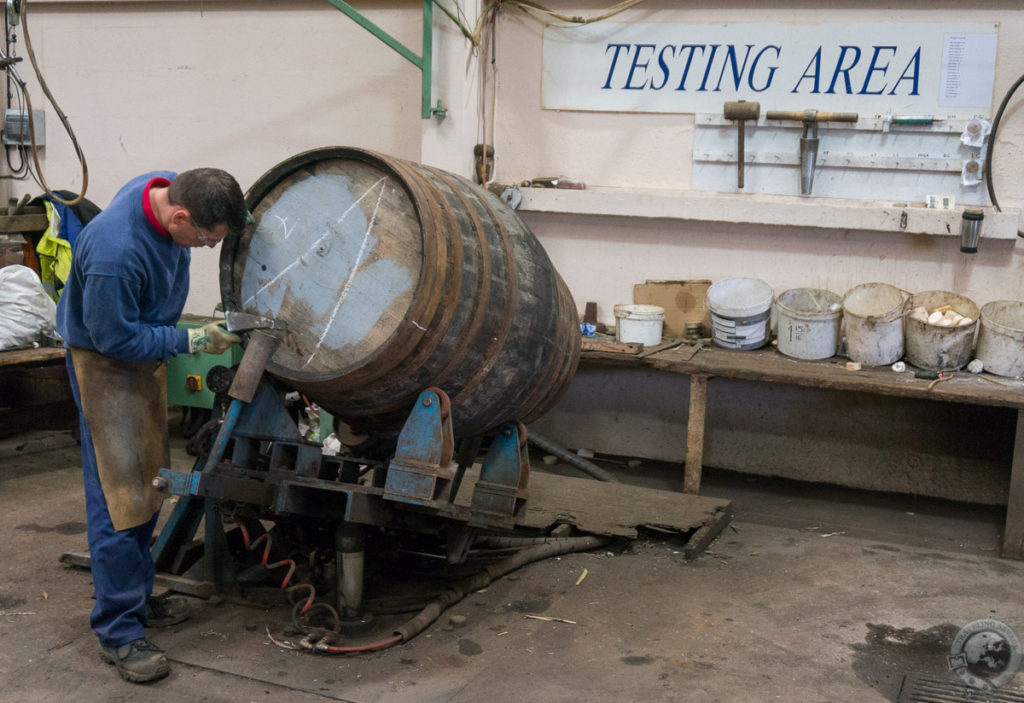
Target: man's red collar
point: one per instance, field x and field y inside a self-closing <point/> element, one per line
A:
<point x="147" y="206"/>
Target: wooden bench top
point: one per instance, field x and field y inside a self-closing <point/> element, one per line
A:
<point x="38" y="355"/>
<point x="769" y="365"/>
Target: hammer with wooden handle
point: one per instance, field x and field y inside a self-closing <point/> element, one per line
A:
<point x="741" y="111"/>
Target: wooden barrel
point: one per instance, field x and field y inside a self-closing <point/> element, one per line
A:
<point x="394" y="277"/>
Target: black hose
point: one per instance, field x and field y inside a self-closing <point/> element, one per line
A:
<point x="587" y="467"/>
<point x="502" y="542"/>
<point x="992" y="143"/>
<point x="487" y="574"/>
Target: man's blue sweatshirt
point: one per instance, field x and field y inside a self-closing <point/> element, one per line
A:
<point x="128" y="283"/>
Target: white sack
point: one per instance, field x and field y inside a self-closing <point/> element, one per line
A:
<point x="25" y="308"/>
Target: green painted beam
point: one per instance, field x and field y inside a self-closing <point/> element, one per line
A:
<point x="423" y="63"/>
<point x="376" y="31"/>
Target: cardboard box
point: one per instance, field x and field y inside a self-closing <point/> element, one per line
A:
<point x="684" y="301"/>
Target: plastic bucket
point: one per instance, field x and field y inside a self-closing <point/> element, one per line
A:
<point x="934" y="348"/>
<point x="639" y="323"/>
<point x="1001" y="338"/>
<point x="741" y="310"/>
<point x="808" y="323"/>
<point x="873" y="313"/>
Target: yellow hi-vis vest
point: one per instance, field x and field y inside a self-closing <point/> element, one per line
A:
<point x="54" y="255"/>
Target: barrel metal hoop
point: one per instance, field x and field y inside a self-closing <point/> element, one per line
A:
<point x="483" y="294"/>
<point x="504" y="330"/>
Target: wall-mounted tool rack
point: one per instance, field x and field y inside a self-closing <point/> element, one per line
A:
<point x="871" y="159"/>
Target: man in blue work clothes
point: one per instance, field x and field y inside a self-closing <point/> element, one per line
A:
<point x="117" y="314"/>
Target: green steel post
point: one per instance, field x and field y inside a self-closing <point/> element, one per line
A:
<point x="428" y="55"/>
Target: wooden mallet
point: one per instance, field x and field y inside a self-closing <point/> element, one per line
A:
<point x="741" y="111"/>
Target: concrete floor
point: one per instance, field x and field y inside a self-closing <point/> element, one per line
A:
<point x="814" y="594"/>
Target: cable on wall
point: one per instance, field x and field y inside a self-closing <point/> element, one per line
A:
<point x="40" y="178"/>
<point x="474" y="36"/>
<point x="992" y="143"/>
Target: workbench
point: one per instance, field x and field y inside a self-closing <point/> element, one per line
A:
<point x="768" y="365"/>
<point x="38" y="355"/>
<point x="34" y="390"/>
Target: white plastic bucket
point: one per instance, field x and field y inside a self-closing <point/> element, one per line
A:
<point x="935" y="348"/>
<point x="873" y="313"/>
<point x="639" y="324"/>
<point x="741" y="311"/>
<point x="1001" y="338"/>
<point x="808" y="323"/>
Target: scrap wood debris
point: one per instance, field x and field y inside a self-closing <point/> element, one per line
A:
<point x="716" y="556"/>
<point x="545" y="618"/>
<point x="996" y="381"/>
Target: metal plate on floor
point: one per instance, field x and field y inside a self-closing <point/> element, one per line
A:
<point x="924" y="689"/>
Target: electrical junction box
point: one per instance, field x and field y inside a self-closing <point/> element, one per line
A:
<point x="15" y="132"/>
<point x="182" y="370"/>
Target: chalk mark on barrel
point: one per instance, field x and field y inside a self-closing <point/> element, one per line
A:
<point x="355" y="269"/>
<point x="284" y="226"/>
<point x="314" y="245"/>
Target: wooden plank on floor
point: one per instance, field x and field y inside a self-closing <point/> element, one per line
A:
<point x="617" y="509"/>
<point x="179" y="584"/>
<point x="702" y="538"/>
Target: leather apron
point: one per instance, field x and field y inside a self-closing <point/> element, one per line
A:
<point x="125" y="406"/>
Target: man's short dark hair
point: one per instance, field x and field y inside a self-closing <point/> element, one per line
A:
<point x="211" y="196"/>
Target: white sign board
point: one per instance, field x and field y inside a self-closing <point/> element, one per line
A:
<point x="940" y="69"/>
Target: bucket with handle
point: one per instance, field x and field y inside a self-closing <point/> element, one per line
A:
<point x="943" y="339"/>
<point x="1001" y="337"/>
<point x="808" y="321"/>
<point x="874" y="314"/>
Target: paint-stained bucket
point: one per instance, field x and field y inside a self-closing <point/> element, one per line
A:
<point x="874" y="313"/>
<point x="1001" y="338"/>
<point x="940" y="348"/>
<point x="639" y="323"/>
<point x="808" y="321"/>
<point x="741" y="310"/>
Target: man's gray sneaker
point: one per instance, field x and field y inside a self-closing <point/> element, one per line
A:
<point x="139" y="661"/>
<point x="164" y="611"/>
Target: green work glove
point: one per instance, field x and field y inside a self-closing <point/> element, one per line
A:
<point x="211" y="338"/>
